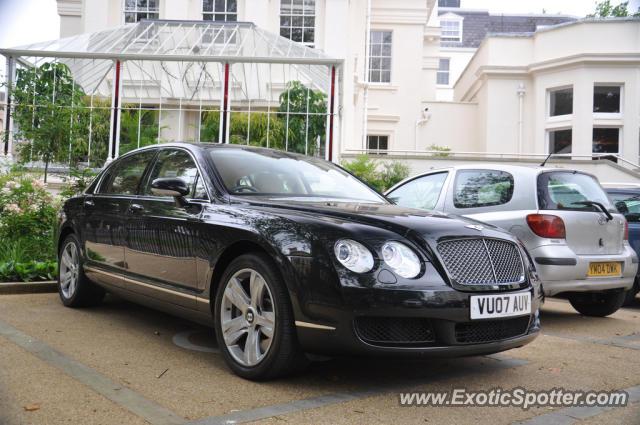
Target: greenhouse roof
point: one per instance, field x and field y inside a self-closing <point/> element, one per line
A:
<point x="168" y="40"/>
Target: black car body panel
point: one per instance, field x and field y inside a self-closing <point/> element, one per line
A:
<point x="167" y="256"/>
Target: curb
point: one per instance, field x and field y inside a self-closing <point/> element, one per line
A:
<point x="47" y="286"/>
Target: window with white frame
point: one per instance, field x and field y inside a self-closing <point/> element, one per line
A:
<point x="380" y="57"/>
<point x="298" y="20"/>
<point x="606" y="99"/>
<point x="220" y="10"/>
<point x="377" y="144"/>
<point x="442" y="77"/>
<point x="561" y="102"/>
<point x="606" y="140"/>
<point x="451" y="29"/>
<point x="560" y="141"/>
<point x="136" y="10"/>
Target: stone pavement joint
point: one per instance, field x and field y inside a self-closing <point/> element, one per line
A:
<point x="130" y="400"/>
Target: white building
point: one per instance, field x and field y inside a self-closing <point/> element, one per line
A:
<point x="464" y="29"/>
<point x="568" y="89"/>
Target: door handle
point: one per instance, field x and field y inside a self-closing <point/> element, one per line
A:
<point x="89" y="203"/>
<point x="136" y="208"/>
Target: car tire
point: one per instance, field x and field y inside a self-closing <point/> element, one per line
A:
<point x="598" y="304"/>
<point x="254" y="320"/>
<point x="75" y="289"/>
<point x="630" y="295"/>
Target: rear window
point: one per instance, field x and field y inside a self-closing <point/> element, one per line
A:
<point x="566" y="190"/>
<point x="482" y="188"/>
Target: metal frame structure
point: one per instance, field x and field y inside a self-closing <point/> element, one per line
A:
<point x="176" y="71"/>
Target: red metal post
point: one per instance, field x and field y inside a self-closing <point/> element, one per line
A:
<point x="225" y="105"/>
<point x="7" y="115"/>
<point x="331" y="103"/>
<point x="116" y="115"/>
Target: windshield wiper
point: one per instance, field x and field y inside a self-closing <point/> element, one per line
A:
<point x="599" y="205"/>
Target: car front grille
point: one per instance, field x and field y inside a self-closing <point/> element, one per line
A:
<point x="394" y="330"/>
<point x="482" y="261"/>
<point x="490" y="330"/>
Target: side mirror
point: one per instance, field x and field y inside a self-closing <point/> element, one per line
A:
<point x="170" y="186"/>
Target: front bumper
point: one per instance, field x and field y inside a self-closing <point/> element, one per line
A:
<point x="444" y="310"/>
<point x="561" y="270"/>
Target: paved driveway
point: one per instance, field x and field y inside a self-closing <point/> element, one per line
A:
<point x="124" y="364"/>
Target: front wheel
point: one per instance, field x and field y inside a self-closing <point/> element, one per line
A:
<point x="75" y="289"/>
<point x="254" y="321"/>
<point x="598" y="304"/>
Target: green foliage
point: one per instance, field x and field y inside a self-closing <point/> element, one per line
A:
<point x="441" y="150"/>
<point x="27" y="272"/>
<point x="77" y="181"/>
<point x="132" y="119"/>
<point x="306" y="110"/>
<point x="47" y="114"/>
<point x="27" y="218"/>
<point x="367" y="169"/>
<point x="605" y="9"/>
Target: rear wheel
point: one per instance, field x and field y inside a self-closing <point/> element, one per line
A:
<point x="599" y="304"/>
<point x="254" y="321"/>
<point x="75" y="289"/>
<point x="630" y="295"/>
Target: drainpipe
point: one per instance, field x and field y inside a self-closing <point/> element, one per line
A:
<point x="425" y="117"/>
<point x="521" y="91"/>
<point x="367" y="42"/>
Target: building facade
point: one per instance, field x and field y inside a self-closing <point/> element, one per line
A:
<point x="401" y="63"/>
<point x="464" y="29"/>
<point x="571" y="89"/>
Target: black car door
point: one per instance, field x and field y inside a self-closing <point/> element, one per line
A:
<point x="162" y="241"/>
<point x="105" y="217"/>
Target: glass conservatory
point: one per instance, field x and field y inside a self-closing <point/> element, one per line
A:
<point x="96" y="96"/>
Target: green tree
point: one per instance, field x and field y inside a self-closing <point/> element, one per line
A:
<point x="307" y="119"/>
<point x="47" y="114"/>
<point x="605" y="9"/>
<point x="132" y="120"/>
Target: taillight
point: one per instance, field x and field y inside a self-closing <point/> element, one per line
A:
<point x="547" y="226"/>
<point x="626" y="230"/>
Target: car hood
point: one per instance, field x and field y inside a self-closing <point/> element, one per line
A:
<point x="429" y="225"/>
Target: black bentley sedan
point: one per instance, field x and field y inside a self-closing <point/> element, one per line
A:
<point x="286" y="254"/>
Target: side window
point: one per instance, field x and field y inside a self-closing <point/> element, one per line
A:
<point x="482" y="188"/>
<point x="421" y="193"/>
<point x="125" y="176"/>
<point x="178" y="163"/>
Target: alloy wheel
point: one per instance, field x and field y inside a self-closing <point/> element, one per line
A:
<point x="69" y="270"/>
<point x="247" y="317"/>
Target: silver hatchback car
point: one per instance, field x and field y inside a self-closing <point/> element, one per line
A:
<point x="578" y="239"/>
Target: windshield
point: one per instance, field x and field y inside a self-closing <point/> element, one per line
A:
<point x="252" y="172"/>
<point x="567" y="190"/>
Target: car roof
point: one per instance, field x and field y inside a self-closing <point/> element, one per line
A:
<point x="530" y="170"/>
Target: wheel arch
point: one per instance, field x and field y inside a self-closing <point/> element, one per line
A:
<point x="237" y="249"/>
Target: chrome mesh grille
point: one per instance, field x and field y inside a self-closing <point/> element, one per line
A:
<point x="481" y="261"/>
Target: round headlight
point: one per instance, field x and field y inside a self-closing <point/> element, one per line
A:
<point x="402" y="260"/>
<point x="353" y="255"/>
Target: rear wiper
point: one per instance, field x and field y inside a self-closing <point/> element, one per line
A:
<point x="599" y="205"/>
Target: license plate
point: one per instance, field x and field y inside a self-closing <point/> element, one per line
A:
<point x="500" y="305"/>
<point x="604" y="269"/>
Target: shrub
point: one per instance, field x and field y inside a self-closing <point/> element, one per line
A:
<point x="27" y="218"/>
<point x="367" y="169"/>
